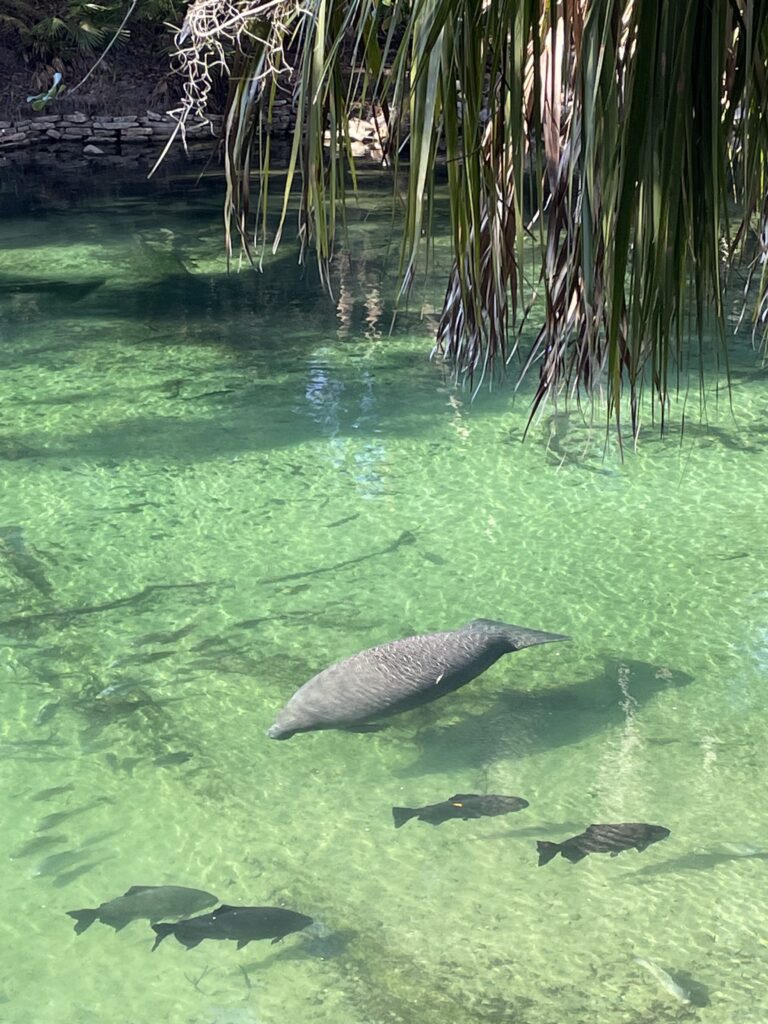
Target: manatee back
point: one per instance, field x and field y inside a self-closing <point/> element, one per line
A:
<point x="390" y="678"/>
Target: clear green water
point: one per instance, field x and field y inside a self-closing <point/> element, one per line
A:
<point x="235" y="458"/>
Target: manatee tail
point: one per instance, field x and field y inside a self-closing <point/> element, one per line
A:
<point x="403" y="814"/>
<point x="83" y="919"/>
<point x="547" y="851"/>
<point x="162" y="931"/>
<point x="518" y="637"/>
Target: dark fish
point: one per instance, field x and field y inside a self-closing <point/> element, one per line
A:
<point x="397" y="676"/>
<point x="144" y="901"/>
<point x="127" y="764"/>
<point x="163" y="638"/>
<point x="57" y="289"/>
<point x="142" y="658"/>
<point x="52" y="820"/>
<point x="461" y="805"/>
<point x="91" y="609"/>
<point x="406" y="537"/>
<point x="58" y="862"/>
<point x="173" y="757"/>
<point x="124" y="685"/>
<point x="241" y="923"/>
<point x="48" y="794"/>
<point x="21" y="560"/>
<point x="37" y="844"/>
<point x="60" y="881"/>
<point x="342" y="521"/>
<point x="47" y="711"/>
<point x="613" y="839"/>
<point x="433" y="558"/>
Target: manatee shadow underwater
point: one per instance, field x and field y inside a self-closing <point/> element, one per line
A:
<point x="521" y="723"/>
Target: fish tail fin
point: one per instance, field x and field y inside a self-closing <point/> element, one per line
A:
<point x="403" y="814"/>
<point x="162" y="931"/>
<point x="547" y="851"/>
<point x="83" y="919"/>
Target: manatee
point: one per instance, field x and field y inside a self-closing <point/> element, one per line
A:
<point x="400" y="675"/>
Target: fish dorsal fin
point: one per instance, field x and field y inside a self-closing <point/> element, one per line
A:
<point x="462" y="797"/>
<point x="136" y="889"/>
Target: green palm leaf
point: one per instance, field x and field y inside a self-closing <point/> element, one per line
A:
<point x="624" y="135"/>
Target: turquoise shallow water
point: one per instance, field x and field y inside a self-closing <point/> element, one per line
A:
<point x="212" y="487"/>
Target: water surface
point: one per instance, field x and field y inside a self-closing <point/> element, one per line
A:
<point x="212" y="487"/>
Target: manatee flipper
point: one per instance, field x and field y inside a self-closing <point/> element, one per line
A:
<point x="244" y="942"/>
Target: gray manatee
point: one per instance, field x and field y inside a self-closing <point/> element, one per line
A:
<point x="400" y="675"/>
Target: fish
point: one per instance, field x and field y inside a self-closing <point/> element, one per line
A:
<point x="36" y="844"/>
<point x="124" y="685"/>
<point x="460" y="805"/>
<point x="144" y="901"/>
<point x="164" y="637"/>
<point x="60" y="881"/>
<point x="156" y="258"/>
<point x="48" y="794"/>
<point x="343" y="520"/>
<point x="51" y="289"/>
<point x="173" y="757"/>
<point x="406" y="537"/>
<point x="21" y="560"/>
<point x="141" y="658"/>
<point x="58" y="862"/>
<point x="400" y="675"/>
<point x="52" y="820"/>
<point x="665" y="979"/>
<point x="613" y="839"/>
<point x="245" y="924"/>
<point x="21" y="621"/>
<point x="47" y="711"/>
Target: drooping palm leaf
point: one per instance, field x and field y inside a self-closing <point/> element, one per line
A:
<point x="626" y="133"/>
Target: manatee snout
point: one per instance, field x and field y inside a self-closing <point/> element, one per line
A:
<point x="276" y="733"/>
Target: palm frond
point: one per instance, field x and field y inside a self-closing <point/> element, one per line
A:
<point x="624" y="134"/>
